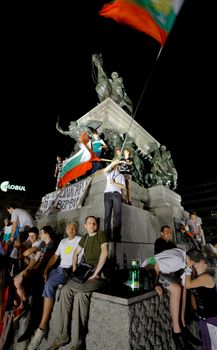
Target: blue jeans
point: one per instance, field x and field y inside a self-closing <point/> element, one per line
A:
<point x="112" y="203"/>
<point x="56" y="276"/>
<point x="96" y="165"/>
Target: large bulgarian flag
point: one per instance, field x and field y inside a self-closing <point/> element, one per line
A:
<point x="78" y="164"/>
<point x="153" y="17"/>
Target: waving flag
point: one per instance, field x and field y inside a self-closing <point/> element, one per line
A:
<point x="79" y="163"/>
<point x="153" y="17"/>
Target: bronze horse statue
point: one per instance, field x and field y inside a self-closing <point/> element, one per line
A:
<point x="103" y="85"/>
<point x="106" y="87"/>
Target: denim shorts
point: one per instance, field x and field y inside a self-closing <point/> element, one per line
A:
<point x="166" y="279"/>
<point x="56" y="276"/>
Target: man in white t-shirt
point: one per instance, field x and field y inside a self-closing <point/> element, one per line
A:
<point x="54" y="277"/>
<point x="21" y="220"/>
<point x="112" y="199"/>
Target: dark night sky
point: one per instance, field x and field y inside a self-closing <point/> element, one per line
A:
<point x="46" y="72"/>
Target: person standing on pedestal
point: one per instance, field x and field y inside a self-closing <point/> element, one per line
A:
<point x="97" y="145"/>
<point x="126" y="169"/>
<point x="58" y="169"/>
<point x="112" y="199"/>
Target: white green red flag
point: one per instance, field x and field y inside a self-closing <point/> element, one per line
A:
<point x="78" y="164"/>
<point x="153" y="17"/>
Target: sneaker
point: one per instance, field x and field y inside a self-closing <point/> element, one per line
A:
<point x="58" y="342"/>
<point x="190" y="337"/>
<point x="37" y="339"/>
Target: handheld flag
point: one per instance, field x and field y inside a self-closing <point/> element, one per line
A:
<point x="153" y="17"/>
<point x="78" y="164"/>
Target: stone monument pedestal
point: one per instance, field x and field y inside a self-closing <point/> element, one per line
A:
<point x="141" y="222"/>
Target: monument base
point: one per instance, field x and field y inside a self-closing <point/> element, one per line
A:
<point x="141" y="222"/>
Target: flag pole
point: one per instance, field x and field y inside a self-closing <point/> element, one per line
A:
<point x="105" y="160"/>
<point x="141" y="96"/>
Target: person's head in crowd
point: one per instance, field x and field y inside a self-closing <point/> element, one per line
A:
<point x="47" y="233"/>
<point x="117" y="152"/>
<point x="95" y="135"/>
<point x="33" y="234"/>
<point x="195" y="256"/>
<point x="166" y="233"/>
<point x="10" y="207"/>
<point x="127" y="153"/>
<point x="71" y="229"/>
<point x="91" y="224"/>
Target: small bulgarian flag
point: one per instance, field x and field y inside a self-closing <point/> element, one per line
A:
<point x="153" y="17"/>
<point x="78" y="164"/>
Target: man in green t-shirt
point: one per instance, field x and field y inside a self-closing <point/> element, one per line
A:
<point x="95" y="245"/>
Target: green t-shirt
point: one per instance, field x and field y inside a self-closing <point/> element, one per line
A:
<point x="93" y="244"/>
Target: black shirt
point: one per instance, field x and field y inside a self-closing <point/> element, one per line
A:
<point x="160" y="245"/>
<point x="126" y="167"/>
<point x="206" y="300"/>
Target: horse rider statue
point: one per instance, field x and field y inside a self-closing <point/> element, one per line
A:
<point x="113" y="88"/>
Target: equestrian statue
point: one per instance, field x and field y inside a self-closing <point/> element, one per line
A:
<point x="106" y="87"/>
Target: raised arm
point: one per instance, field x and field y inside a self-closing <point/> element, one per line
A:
<point x="111" y="165"/>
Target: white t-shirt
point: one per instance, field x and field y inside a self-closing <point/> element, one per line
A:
<point x="23" y="218"/>
<point x="170" y="260"/>
<point x="116" y="177"/>
<point x="38" y="243"/>
<point x="66" y="250"/>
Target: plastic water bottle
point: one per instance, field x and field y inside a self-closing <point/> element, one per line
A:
<point x="134" y="277"/>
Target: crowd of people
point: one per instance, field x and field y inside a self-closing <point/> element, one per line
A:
<point x="42" y="264"/>
<point x="34" y="263"/>
<point x="185" y="273"/>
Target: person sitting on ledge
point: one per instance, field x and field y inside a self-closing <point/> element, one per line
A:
<point x="165" y="264"/>
<point x="193" y="225"/>
<point x="95" y="245"/>
<point x="53" y="277"/>
<point x="31" y="276"/>
<point x="164" y="242"/>
<point x="203" y="287"/>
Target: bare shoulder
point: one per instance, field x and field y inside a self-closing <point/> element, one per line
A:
<point x="206" y="280"/>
